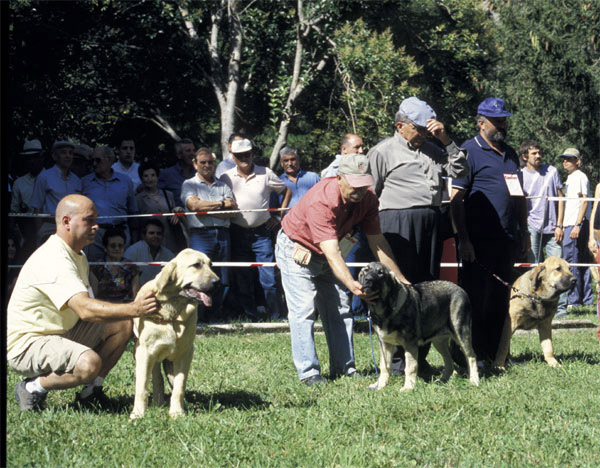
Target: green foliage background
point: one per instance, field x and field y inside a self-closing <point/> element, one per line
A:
<point x="95" y="70"/>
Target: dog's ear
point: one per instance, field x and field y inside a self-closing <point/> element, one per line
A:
<point x="537" y="277"/>
<point x="165" y="275"/>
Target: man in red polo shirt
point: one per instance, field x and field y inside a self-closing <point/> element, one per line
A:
<point x="310" y="254"/>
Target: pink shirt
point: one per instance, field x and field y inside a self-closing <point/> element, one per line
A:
<point x="323" y="214"/>
<point x="251" y="193"/>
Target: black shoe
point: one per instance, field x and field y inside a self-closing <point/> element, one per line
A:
<point x="97" y="400"/>
<point x="354" y="375"/>
<point x="316" y="379"/>
<point x="29" y="401"/>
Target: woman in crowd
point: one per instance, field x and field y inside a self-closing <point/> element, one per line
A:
<point x="152" y="200"/>
<point x="114" y="283"/>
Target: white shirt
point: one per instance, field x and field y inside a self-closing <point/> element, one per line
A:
<point x="253" y="192"/>
<point x="577" y="185"/>
<point x="132" y="172"/>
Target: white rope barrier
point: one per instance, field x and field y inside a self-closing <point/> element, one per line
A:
<point x="273" y="264"/>
<point x="150" y="215"/>
<point x="258" y="210"/>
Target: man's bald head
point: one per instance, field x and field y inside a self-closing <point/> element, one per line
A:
<point x="76" y="221"/>
<point x="71" y="205"/>
<point x="352" y="144"/>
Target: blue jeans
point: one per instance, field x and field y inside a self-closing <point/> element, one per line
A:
<point x="254" y="245"/>
<point x="215" y="243"/>
<point x="574" y="251"/>
<point x="310" y="289"/>
<point x="549" y="248"/>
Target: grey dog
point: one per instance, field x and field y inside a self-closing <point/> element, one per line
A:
<point x="412" y="315"/>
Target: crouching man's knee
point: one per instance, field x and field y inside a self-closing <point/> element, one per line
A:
<point x="88" y="366"/>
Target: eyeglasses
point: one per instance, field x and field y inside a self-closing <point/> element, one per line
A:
<point x="205" y="162"/>
<point x="247" y="154"/>
<point x="113" y="245"/>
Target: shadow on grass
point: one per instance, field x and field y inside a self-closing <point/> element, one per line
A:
<point x="239" y="399"/>
<point x="195" y="401"/>
<point x="530" y="356"/>
<point x="122" y="404"/>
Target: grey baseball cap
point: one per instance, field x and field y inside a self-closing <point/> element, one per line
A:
<point x="419" y="112"/>
<point x="571" y="153"/>
<point x="355" y="169"/>
<point x="62" y="144"/>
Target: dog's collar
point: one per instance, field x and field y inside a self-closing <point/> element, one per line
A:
<point x="539" y="300"/>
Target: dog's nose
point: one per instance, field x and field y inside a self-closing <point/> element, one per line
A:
<point x="573" y="282"/>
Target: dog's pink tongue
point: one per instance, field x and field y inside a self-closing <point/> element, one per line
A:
<point x="206" y="299"/>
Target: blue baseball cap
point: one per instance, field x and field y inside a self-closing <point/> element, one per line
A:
<point x="493" y="107"/>
<point x="419" y="112"/>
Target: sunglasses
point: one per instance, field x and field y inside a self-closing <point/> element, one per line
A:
<point x="245" y="155"/>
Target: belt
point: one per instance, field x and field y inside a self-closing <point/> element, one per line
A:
<point x="206" y="228"/>
<point x="251" y="229"/>
<point x="112" y="225"/>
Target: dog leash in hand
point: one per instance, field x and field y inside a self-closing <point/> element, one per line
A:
<point x="508" y="285"/>
<point x="371" y="337"/>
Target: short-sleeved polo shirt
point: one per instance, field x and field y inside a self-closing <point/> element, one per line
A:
<point x="489" y="208"/>
<point x="217" y="191"/>
<point x="323" y="214"/>
<point x="253" y="192"/>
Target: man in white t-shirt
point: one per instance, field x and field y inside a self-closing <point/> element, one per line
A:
<point x="544" y="218"/>
<point x="576" y="227"/>
<point x="58" y="335"/>
<point x="126" y="163"/>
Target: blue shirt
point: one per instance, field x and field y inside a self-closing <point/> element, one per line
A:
<point x="50" y="187"/>
<point x="490" y="211"/>
<point x="112" y="197"/>
<point x="216" y="192"/>
<point x="303" y="184"/>
<point x="172" y="178"/>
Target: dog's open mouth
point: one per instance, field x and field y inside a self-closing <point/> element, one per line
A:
<point x="198" y="295"/>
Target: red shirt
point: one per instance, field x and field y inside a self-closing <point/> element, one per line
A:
<point x="323" y="214"/>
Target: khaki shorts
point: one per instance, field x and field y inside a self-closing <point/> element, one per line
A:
<point x="58" y="353"/>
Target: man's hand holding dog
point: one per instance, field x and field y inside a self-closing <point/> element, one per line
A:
<point x="146" y="304"/>
<point x="357" y="289"/>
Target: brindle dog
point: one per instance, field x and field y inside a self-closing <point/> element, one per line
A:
<point x="410" y="316"/>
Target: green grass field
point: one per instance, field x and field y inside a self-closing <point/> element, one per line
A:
<point x="246" y="407"/>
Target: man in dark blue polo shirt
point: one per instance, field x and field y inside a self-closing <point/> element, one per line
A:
<point x="490" y="213"/>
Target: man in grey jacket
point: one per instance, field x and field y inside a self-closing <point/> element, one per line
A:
<point x="409" y="169"/>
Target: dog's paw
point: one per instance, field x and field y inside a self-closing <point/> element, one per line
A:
<point x="177" y="415"/>
<point x="553" y="363"/>
<point x="136" y="415"/>
<point x="374" y="386"/>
